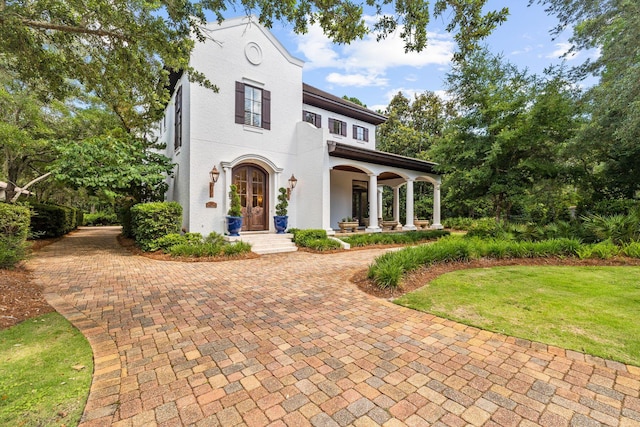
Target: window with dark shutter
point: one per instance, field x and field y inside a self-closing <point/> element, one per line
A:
<point x="313" y="118"/>
<point x="337" y="127"/>
<point x="360" y="133"/>
<point x="253" y="106"/>
<point x="266" y="109"/>
<point x="177" y="137"/>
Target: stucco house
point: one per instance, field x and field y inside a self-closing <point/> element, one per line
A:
<point x="265" y="126"/>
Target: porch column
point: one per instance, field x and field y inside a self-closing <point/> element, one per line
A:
<point x="396" y="205"/>
<point x="379" y="199"/>
<point x="409" y="225"/>
<point x="373" y="205"/>
<point x="436" y="207"/>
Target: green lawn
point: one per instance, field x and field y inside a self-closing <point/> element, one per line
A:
<point x="595" y="310"/>
<point x="45" y="373"/>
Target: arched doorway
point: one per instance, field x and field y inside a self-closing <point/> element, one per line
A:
<point x="252" y="184"/>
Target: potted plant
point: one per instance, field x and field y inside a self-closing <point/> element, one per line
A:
<point x="348" y="223"/>
<point x="420" y="220"/>
<point x="388" y="223"/>
<point x="280" y="220"/>
<point x="234" y="215"/>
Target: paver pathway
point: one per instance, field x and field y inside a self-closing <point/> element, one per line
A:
<point x="288" y="340"/>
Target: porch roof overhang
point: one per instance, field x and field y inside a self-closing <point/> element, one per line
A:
<point x="345" y="151"/>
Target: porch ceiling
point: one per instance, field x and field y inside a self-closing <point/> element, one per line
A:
<point x="337" y="149"/>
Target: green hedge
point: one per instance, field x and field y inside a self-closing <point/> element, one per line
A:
<point x="100" y="218"/>
<point x="150" y="221"/>
<point x="49" y="220"/>
<point x="14" y="229"/>
<point x="360" y="240"/>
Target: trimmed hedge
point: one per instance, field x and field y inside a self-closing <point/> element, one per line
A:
<point x="360" y="240"/>
<point x="150" y="221"/>
<point x="49" y="220"/>
<point x="100" y="218"/>
<point x="14" y="229"/>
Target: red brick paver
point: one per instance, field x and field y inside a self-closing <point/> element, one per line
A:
<point x="288" y="340"/>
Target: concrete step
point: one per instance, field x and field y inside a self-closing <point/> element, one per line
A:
<point x="267" y="243"/>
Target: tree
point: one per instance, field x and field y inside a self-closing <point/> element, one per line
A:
<point x="122" y="52"/>
<point x="606" y="148"/>
<point x="26" y="128"/>
<point x="82" y="143"/>
<point x="507" y="136"/>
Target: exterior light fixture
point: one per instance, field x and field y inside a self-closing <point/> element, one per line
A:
<point x="292" y="184"/>
<point x="214" y="174"/>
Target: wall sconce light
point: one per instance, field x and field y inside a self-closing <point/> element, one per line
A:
<point x="292" y="184"/>
<point x="214" y="174"/>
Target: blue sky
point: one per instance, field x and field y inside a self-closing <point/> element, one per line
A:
<point x="373" y="72"/>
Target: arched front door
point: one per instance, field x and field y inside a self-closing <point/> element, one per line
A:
<point x="251" y="181"/>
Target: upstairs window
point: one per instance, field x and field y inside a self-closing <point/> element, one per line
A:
<point x="177" y="136"/>
<point x="360" y="133"/>
<point x="313" y="118"/>
<point x="253" y="106"/>
<point x="338" y="127"/>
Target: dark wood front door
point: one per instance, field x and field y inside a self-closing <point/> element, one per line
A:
<point x="251" y="181"/>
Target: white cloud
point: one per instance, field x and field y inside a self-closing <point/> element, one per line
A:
<point x="525" y="49"/>
<point x="562" y="49"/>
<point x="357" y="80"/>
<point x="368" y="57"/>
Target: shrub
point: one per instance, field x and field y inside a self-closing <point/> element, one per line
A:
<point x="165" y="243"/>
<point x="150" y="221"/>
<point x="283" y="203"/>
<point x="14" y="229"/>
<point x="488" y="228"/>
<point x="618" y="228"/>
<point x="235" y="208"/>
<point x="302" y="237"/>
<point x="49" y="220"/>
<point x="385" y="269"/>
<point x="236" y="248"/>
<point x="214" y="238"/>
<point x="632" y="250"/>
<point x="100" y="218"/>
<point x="604" y="250"/>
<point x="195" y="250"/>
<point x="123" y="209"/>
<point x="394" y="238"/>
<point x="325" y="244"/>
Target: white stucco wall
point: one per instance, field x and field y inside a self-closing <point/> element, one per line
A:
<point x="215" y="138"/>
<point x="178" y="184"/>
<point x="349" y="139"/>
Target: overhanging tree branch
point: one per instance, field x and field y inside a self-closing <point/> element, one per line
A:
<point x="68" y="28"/>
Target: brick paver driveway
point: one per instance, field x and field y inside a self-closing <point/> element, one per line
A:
<point x="288" y="340"/>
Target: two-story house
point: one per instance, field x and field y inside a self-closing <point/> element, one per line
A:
<point x="264" y="126"/>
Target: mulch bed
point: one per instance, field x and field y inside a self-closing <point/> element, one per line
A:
<point x="20" y="298"/>
<point x="424" y="275"/>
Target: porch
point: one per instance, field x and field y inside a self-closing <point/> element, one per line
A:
<point x="378" y="190"/>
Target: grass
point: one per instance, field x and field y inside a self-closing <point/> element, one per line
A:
<point x="45" y="374"/>
<point x="595" y="310"/>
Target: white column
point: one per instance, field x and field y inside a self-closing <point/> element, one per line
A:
<point x="326" y="202"/>
<point x="228" y="180"/>
<point x="409" y="225"/>
<point x="396" y="205"/>
<point x="373" y="205"/>
<point x="379" y="199"/>
<point x="436" y="207"/>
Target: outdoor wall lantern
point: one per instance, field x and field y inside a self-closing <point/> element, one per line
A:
<point x="292" y="184"/>
<point x="214" y="174"/>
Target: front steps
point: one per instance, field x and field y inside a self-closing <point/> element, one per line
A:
<point x="267" y="243"/>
